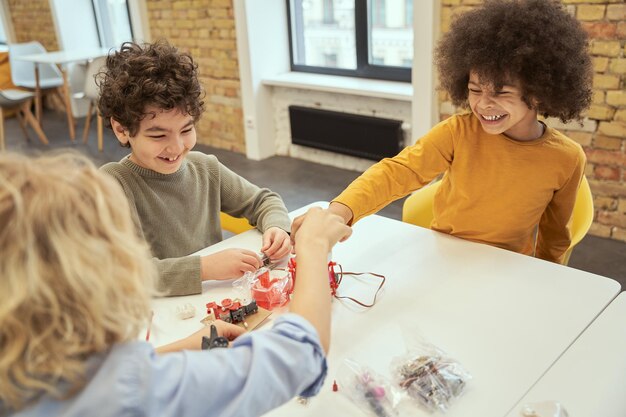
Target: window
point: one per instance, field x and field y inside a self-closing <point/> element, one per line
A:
<point x="358" y="38"/>
<point x="93" y="24"/>
<point x="113" y="22"/>
<point x="3" y="32"/>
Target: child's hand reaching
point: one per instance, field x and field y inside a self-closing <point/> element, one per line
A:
<point x="228" y="330"/>
<point x="194" y="341"/>
<point x="276" y="243"/>
<point x="338" y="209"/>
<point x="229" y="263"/>
<point x="322" y="227"/>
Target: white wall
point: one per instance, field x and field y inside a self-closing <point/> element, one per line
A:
<point x="425" y="33"/>
<point x="76" y="30"/>
<point x="262" y="48"/>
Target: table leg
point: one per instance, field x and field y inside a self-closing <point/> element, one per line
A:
<point x="34" y="123"/>
<point x="100" y="132"/>
<point x="1" y="130"/>
<point x="68" y="104"/>
<point x="38" y="106"/>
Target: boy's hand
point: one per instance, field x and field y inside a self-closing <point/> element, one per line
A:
<point x="339" y="209"/>
<point x="228" y="330"/>
<point x="322" y="227"/>
<point x="194" y="341"/>
<point x="276" y="243"/>
<point x="229" y="263"/>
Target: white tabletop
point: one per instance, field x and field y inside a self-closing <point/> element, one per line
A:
<point x="506" y="317"/>
<point x="590" y="378"/>
<point x="64" y="57"/>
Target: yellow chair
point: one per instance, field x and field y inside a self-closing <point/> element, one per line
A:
<point x="582" y="217"/>
<point x="418" y="210"/>
<point x="233" y="224"/>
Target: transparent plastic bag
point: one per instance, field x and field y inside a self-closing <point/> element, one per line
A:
<point x="427" y="375"/>
<point x="270" y="288"/>
<point x="371" y="392"/>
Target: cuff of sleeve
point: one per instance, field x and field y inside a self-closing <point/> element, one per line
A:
<point x="307" y="334"/>
<point x="282" y="222"/>
<point x="183" y="277"/>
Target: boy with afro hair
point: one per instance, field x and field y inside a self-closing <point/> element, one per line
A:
<point x="151" y="97"/>
<point x="508" y="179"/>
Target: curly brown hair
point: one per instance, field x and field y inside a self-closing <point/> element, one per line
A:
<point x="534" y="42"/>
<point x="138" y="76"/>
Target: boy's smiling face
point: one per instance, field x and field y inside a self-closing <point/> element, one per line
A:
<point x="162" y="141"/>
<point x="503" y="111"/>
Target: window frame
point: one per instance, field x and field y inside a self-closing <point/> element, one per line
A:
<point x="362" y="41"/>
<point x="100" y="25"/>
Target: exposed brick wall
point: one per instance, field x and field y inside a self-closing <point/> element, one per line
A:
<point x="603" y="134"/>
<point x="32" y="21"/>
<point x="206" y="29"/>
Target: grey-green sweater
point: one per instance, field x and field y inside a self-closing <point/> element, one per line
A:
<point x="179" y="214"/>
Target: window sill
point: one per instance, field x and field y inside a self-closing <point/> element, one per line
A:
<point x="392" y="90"/>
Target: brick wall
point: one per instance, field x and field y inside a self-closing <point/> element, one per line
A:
<point x="206" y="29"/>
<point x="32" y="21"/>
<point x="603" y="134"/>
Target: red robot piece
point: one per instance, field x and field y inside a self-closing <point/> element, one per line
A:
<point x="333" y="279"/>
<point x="231" y="311"/>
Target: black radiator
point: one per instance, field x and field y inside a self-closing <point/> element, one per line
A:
<point x="363" y="136"/>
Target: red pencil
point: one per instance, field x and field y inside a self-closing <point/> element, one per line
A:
<point x="149" y="326"/>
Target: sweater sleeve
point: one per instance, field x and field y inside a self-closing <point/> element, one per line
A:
<point x="179" y="276"/>
<point x="262" y="207"/>
<point x="553" y="236"/>
<point x="394" y="178"/>
<point x="175" y="276"/>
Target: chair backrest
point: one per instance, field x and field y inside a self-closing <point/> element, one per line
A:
<point x="418" y="208"/>
<point x="582" y="217"/>
<point x="90" y="89"/>
<point x="233" y="224"/>
<point x="23" y="72"/>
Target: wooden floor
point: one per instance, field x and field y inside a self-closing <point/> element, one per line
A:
<point x="298" y="182"/>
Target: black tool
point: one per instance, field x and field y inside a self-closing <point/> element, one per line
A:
<point x="214" y="341"/>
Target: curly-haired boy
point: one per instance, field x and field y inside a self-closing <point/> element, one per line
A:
<point x="506" y="175"/>
<point x="151" y="98"/>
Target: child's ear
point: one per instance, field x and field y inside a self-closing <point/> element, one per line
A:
<point x="120" y="131"/>
<point x="534" y="103"/>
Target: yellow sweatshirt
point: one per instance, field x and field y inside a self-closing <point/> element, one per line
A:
<point x="495" y="190"/>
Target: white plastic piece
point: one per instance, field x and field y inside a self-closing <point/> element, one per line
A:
<point x="185" y="311"/>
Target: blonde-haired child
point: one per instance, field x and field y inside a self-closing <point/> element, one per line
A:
<point x="75" y="288"/>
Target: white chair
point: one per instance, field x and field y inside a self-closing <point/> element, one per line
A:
<point x="23" y="72"/>
<point x="92" y="93"/>
<point x="21" y="101"/>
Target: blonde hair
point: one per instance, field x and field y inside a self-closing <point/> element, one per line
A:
<point x="74" y="277"/>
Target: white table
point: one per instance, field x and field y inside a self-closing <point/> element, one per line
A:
<point x="60" y="59"/>
<point x="506" y="317"/>
<point x="590" y="378"/>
